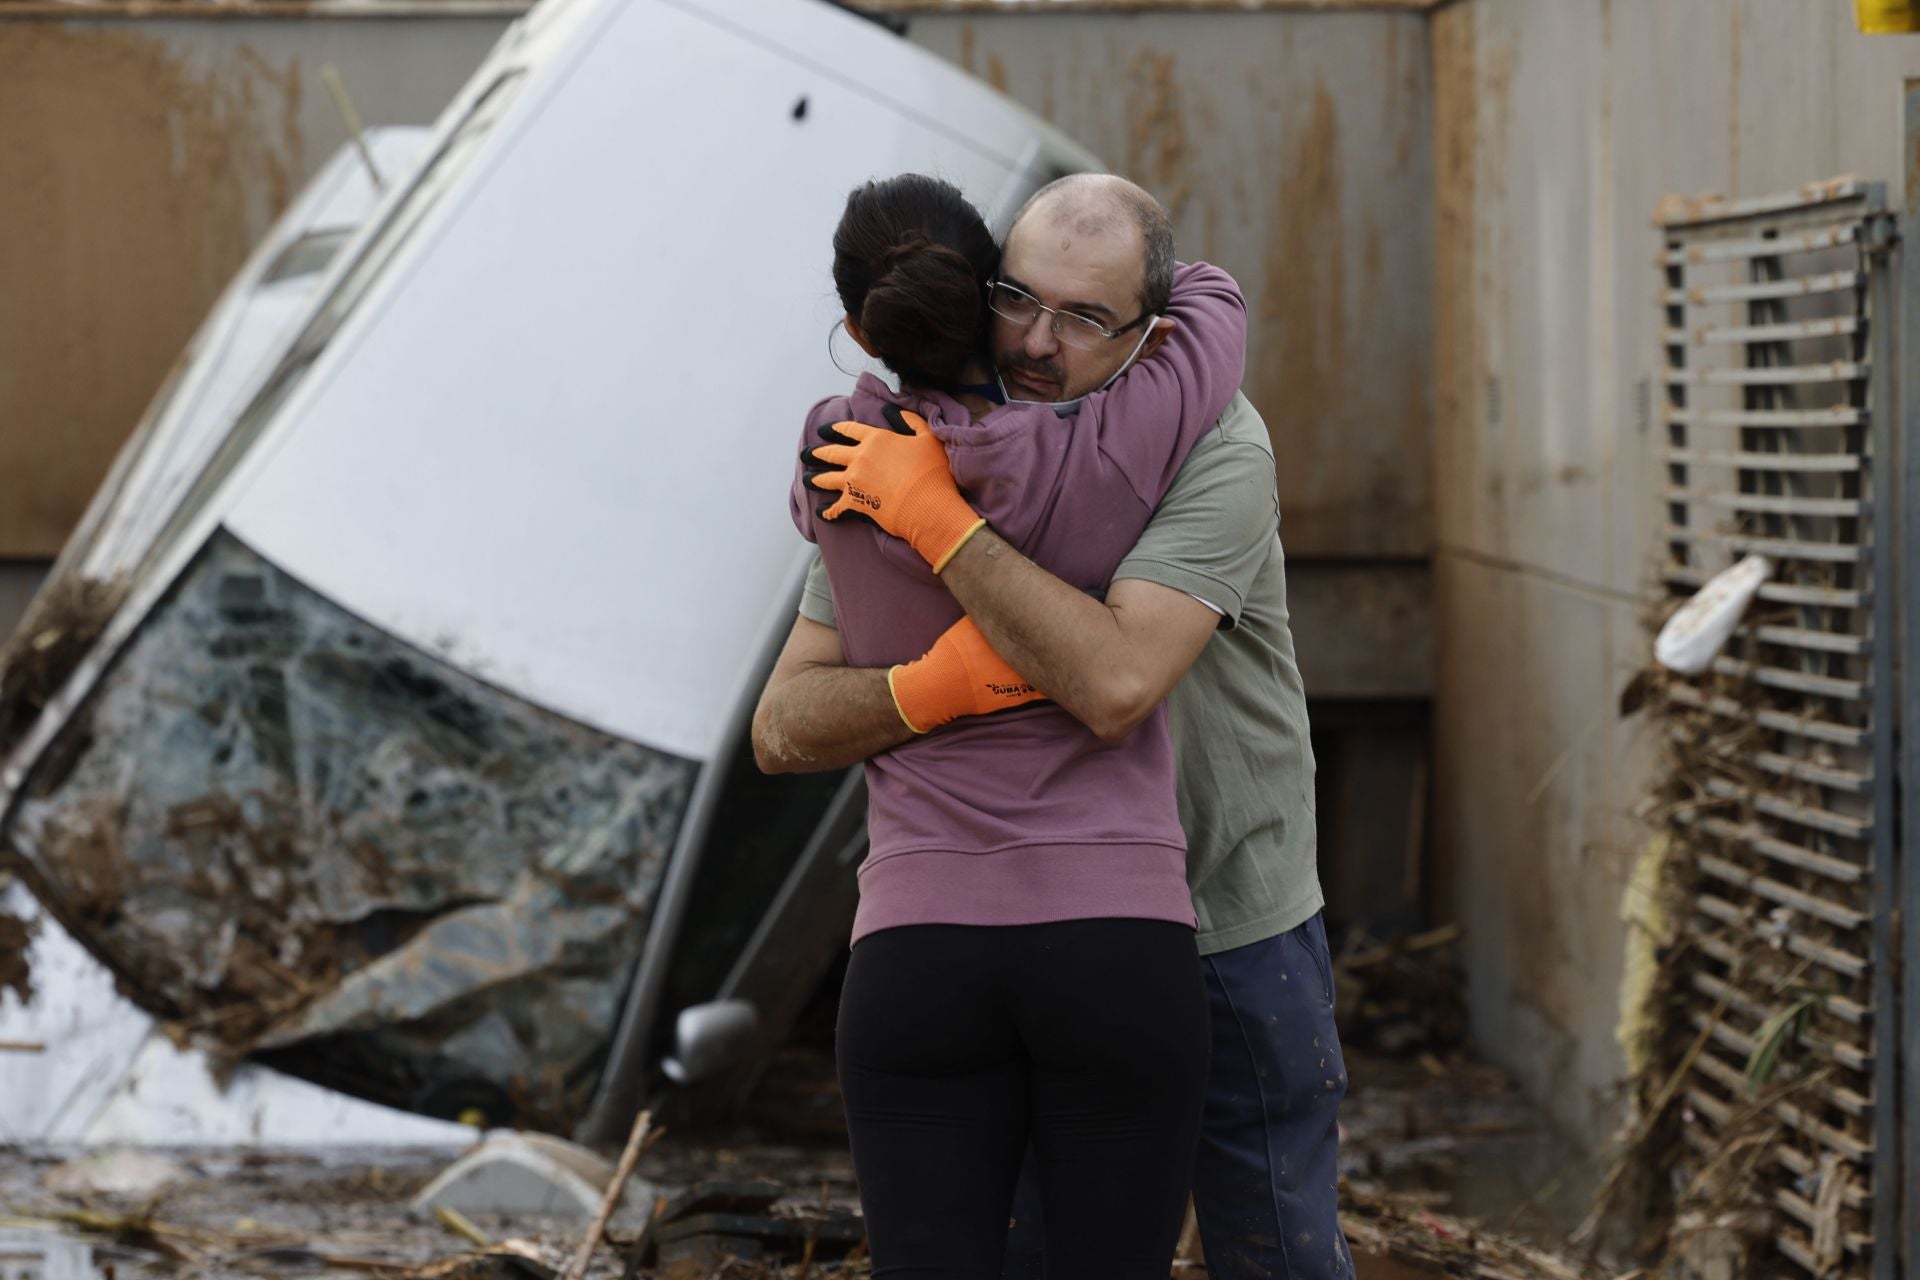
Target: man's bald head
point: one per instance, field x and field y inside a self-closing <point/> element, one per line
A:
<point x="1099" y="250"/>
<point x="1102" y="204"/>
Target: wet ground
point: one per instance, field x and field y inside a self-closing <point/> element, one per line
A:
<point x="1438" y="1141"/>
<point x="1458" y="1136"/>
<point x="335" y="1214"/>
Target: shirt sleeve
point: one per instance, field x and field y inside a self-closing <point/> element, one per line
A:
<point x="1214" y="529"/>
<point x="1148" y="420"/>
<point x="816" y="598"/>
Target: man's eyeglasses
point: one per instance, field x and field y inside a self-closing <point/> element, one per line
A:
<point x="1073" y="329"/>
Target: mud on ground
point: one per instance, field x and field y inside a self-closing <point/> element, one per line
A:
<point x="348" y="1213"/>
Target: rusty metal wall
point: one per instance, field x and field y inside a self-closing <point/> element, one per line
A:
<point x="1557" y="128"/>
<point x="1294" y="149"/>
<point x="140" y="158"/>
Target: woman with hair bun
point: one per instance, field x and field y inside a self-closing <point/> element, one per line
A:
<point x="1023" y="964"/>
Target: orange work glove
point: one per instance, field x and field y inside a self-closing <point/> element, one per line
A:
<point x="897" y="477"/>
<point x="960" y="676"/>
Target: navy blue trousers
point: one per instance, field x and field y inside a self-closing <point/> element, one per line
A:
<point x="1265" y="1183"/>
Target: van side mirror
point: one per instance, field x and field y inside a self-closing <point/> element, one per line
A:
<point x="709" y="1038"/>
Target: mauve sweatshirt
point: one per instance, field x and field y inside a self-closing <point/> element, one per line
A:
<point x="1024" y="816"/>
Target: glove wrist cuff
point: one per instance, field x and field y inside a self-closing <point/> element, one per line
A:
<point x="944" y="526"/>
<point x="928" y="692"/>
<point x="966" y="536"/>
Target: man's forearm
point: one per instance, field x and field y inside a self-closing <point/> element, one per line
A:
<point x="825" y="717"/>
<point x="1070" y="645"/>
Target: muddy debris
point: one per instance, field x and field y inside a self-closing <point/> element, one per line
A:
<point x="1401" y="998"/>
<point x="1400" y="1237"/>
<point x="343" y="1212"/>
<point x="1726" y="1023"/>
<point x="119" y="1173"/>
<point x="59" y="628"/>
<point x="16" y="944"/>
<point x="749" y="1212"/>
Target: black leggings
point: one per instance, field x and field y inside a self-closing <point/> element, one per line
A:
<point x="958" y="1044"/>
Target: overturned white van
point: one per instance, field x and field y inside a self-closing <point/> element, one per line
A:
<point x="412" y="758"/>
<point x="101" y="1070"/>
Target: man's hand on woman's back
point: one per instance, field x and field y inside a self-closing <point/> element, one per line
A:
<point x="960" y="676"/>
<point x="897" y="477"/>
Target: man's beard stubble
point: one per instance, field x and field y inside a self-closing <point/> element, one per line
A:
<point x="1044" y="372"/>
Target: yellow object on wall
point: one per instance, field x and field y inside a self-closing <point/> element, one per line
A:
<point x="1647" y="907"/>
<point x="1886" y="17"/>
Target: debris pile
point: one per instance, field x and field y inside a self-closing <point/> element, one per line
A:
<point x="61" y="625"/>
<point x="16" y="941"/>
<point x="1402" y="998"/>
<point x="1739" y="1012"/>
<point x="1398" y="1238"/>
<point x="215" y="1215"/>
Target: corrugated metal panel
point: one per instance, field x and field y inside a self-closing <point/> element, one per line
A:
<point x="140" y="159"/>
<point x="1777" y="323"/>
<point x="1295" y="150"/>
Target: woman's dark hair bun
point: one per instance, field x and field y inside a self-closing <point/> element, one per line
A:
<point x="911" y="262"/>
<point x="924" y="310"/>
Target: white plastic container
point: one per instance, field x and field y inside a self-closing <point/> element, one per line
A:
<point x="1699" y="629"/>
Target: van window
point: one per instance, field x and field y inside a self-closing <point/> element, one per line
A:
<point x="309" y="255"/>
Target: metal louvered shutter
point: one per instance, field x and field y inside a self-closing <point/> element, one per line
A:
<point x="1779" y="440"/>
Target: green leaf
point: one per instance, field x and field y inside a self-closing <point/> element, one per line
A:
<point x="1774" y="1035"/>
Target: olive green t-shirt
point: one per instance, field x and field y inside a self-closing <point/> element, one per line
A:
<point x="1239" y="715"/>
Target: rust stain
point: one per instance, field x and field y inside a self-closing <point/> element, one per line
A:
<point x="1397" y="93"/>
<point x="1156" y="130"/>
<point x="1678" y="208"/>
<point x="1501" y="641"/>
<point x="1733" y="107"/>
<point x="1497" y="88"/>
<point x="288" y="160"/>
<point x="134" y="186"/>
<point x="1913" y="167"/>
<point x="1489" y="426"/>
<point x="967" y="40"/>
<point x="1456" y="339"/>
<point x="1390" y="55"/>
<point x="1209" y="196"/>
<point x="1301" y="370"/>
<point x="1209" y="118"/>
<point x="1673" y="208"/>
<point x="996" y="72"/>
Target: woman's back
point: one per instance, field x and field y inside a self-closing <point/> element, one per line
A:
<point x="1026" y="816"/>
